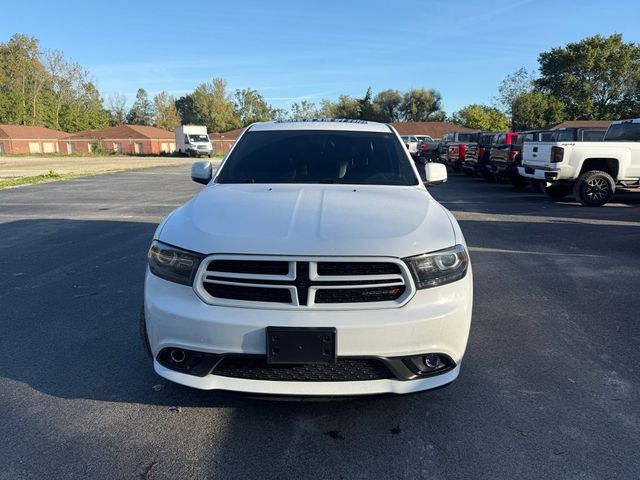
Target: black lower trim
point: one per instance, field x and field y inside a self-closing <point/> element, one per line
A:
<point x="201" y="364"/>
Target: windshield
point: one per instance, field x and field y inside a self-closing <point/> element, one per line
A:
<point x="424" y="138"/>
<point x="318" y="156"/>
<point x="623" y="132"/>
<point x="198" y="138"/>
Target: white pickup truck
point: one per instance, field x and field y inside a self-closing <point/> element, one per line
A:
<point x="591" y="170"/>
<point x="414" y="144"/>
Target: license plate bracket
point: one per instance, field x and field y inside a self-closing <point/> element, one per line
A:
<point x="300" y="345"/>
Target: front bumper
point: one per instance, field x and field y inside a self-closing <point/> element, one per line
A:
<point x="435" y="320"/>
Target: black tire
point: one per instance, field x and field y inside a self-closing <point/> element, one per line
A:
<point x="537" y="186"/>
<point x="142" y="328"/>
<point x="556" y="190"/>
<point x="594" y="188"/>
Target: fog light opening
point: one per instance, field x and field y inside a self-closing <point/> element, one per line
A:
<point x="432" y="362"/>
<point x="429" y="364"/>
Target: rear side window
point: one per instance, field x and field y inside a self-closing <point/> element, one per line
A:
<point x="593" y="135"/>
<point x="564" y="135"/>
<point x="500" y="139"/>
<point x="623" y="132"/>
<point x="468" y="137"/>
<point x="318" y="156"/>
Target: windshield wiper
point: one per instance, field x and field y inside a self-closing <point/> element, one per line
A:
<point x="248" y="180"/>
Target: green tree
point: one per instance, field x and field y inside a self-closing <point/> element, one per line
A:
<point x="533" y="110"/>
<point x="213" y="107"/>
<point x="66" y="80"/>
<point x="166" y="114"/>
<point x="387" y="105"/>
<point x="420" y="104"/>
<point x="345" y="107"/>
<point x="141" y="112"/>
<point x="187" y="110"/>
<point x="367" y="108"/>
<point x="86" y="112"/>
<point x="595" y="78"/>
<point x="305" y="110"/>
<point x="251" y="107"/>
<point x="481" y="117"/>
<point x="519" y="82"/>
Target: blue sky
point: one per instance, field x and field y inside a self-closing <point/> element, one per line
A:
<point x="294" y="50"/>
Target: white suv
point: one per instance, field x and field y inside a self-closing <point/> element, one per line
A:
<point x="314" y="262"/>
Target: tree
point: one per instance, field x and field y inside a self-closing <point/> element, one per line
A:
<point x="66" y="80"/>
<point x="187" y="110"/>
<point x="387" y="105"/>
<point x="345" y="107"/>
<point x="86" y="112"/>
<point x="166" y="114"/>
<point x="595" y="78"/>
<point x="519" y="82"/>
<point x="117" y="106"/>
<point x="367" y="108"/>
<point x="141" y="112"/>
<point x="304" y="110"/>
<point x="213" y="107"/>
<point x="251" y="107"/>
<point x="533" y="110"/>
<point x="420" y="104"/>
<point x="481" y="117"/>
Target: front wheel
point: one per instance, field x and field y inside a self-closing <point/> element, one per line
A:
<point x="594" y="188"/>
<point x="557" y="190"/>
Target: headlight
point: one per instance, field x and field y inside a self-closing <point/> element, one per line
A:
<point x="439" y="268"/>
<point x="172" y="263"/>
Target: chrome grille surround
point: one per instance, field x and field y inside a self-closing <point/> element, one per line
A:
<point x="207" y="278"/>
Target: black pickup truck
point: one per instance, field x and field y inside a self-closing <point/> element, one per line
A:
<point x="453" y="148"/>
<point x="506" y="155"/>
<point x="476" y="160"/>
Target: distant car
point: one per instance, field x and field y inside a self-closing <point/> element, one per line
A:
<point x="413" y="142"/>
<point x="476" y="160"/>
<point x="503" y="157"/>
<point x="507" y="159"/>
<point x="453" y="148"/>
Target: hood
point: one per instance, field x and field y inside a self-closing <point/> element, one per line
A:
<point x="310" y="220"/>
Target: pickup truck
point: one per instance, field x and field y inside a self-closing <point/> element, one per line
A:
<point x="415" y="143"/>
<point x="506" y="156"/>
<point x="589" y="169"/>
<point x="476" y="161"/>
<point x="453" y="148"/>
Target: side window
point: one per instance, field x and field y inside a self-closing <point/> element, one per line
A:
<point x="592" y="135"/>
<point x="501" y="139"/>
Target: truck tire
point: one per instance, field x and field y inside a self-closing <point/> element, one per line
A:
<point x="517" y="181"/>
<point x="594" y="188"/>
<point x="556" y="190"/>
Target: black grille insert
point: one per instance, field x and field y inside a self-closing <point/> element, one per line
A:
<point x="356" y="295"/>
<point x="357" y="268"/>
<point x="344" y="370"/>
<point x="252" y="294"/>
<point x="259" y="267"/>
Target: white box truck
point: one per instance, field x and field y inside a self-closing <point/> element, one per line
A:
<point x="193" y="140"/>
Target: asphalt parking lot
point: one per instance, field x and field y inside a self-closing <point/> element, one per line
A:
<point x="549" y="387"/>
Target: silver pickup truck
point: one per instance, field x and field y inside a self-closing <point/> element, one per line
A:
<point x="589" y="170"/>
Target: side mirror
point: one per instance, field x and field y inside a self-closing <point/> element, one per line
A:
<point x="435" y="174"/>
<point x="201" y="172"/>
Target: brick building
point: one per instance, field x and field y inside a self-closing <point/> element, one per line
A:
<point x="25" y="139"/>
<point x="222" y="141"/>
<point x="123" y="139"/>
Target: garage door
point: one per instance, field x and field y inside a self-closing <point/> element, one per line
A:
<point x="34" y="147"/>
<point x="49" y="147"/>
<point x="1" y="147"/>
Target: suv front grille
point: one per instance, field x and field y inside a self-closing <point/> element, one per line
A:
<point x="303" y="282"/>
<point x="344" y="370"/>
